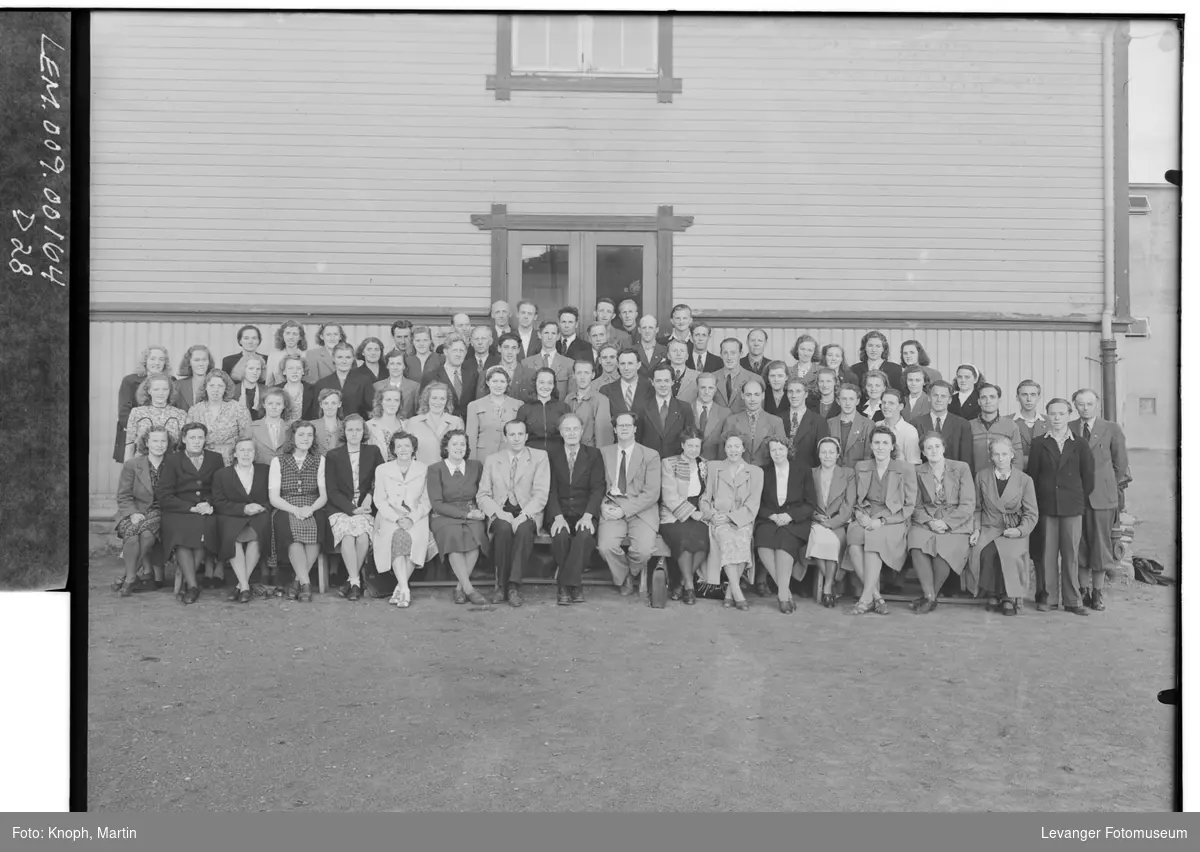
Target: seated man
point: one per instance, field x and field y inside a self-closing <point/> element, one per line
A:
<point x="513" y="493"/>
<point x="576" y="490"/>
<point x="630" y="508"/>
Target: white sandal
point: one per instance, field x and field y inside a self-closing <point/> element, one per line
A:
<point x="401" y="598"/>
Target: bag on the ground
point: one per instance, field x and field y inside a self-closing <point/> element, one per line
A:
<point x="1149" y="571"/>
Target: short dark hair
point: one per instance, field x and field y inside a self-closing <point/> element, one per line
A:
<point x="680" y="307"/>
<point x="246" y="328"/>
<point x="979" y="388"/>
<point x="689" y="433"/>
<point x="847" y="386"/>
<point x="343" y="346"/>
<point x="401" y="435"/>
<point x="702" y="324"/>
<point x="446" y="443"/>
<point x="787" y="445"/>
<point x="1029" y="383"/>
<point x="605" y="300"/>
<point x="544" y="324"/>
<point x="358" y="353"/>
<point x="493" y="370"/>
<point x="633" y="414"/>
<point x="509" y="335"/>
<point x="627" y="351"/>
<point x="569" y="309"/>
<point x="513" y="422"/>
<point x="188" y="427"/>
<point x="893" y="392"/>
<point x="731" y="340"/>
<point x="401" y="324"/>
<point x="880" y="429"/>
<point x="1058" y="399"/>
<point x="940" y="383"/>
<point x="662" y="366"/>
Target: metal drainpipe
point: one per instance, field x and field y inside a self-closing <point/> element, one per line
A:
<point x="1108" y="341"/>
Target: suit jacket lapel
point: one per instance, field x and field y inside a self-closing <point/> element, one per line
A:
<point x="143" y="473"/>
<point x="837" y="487"/>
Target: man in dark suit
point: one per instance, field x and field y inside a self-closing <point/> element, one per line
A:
<point x="663" y="418"/>
<point x="1107" y="444"/>
<point x="576" y="491"/>
<point x="357" y="391"/>
<point x="1063" y="472"/>
<point x="527" y="330"/>
<point x="650" y="352"/>
<point x="570" y="342"/>
<point x="956" y="432"/>
<point x="804" y="427"/>
<point x="756" y="360"/>
<point x="597" y="336"/>
<point x="631" y="390"/>
<point x="249" y="338"/>
<point x="709" y="416"/>
<point x="457" y="374"/>
<point x="402" y="332"/>
<point x="681" y="327"/>
<point x="852" y="430"/>
<point x="481" y="350"/>
<point x="699" y="358"/>
<point x="605" y="312"/>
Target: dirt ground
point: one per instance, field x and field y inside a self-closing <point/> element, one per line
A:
<point x="608" y="705"/>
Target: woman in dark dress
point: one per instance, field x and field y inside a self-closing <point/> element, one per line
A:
<point x="350" y="484"/>
<point x="873" y="351"/>
<point x="296" y="485"/>
<point x="242" y="498"/>
<point x="965" y="400"/>
<point x="784" y="517"/>
<point x="682" y="528"/>
<point x="455" y="519"/>
<point x="542" y="416"/>
<point x="189" y="527"/>
<point x="140" y="516"/>
<point x="153" y="360"/>
<point x="370" y="355"/>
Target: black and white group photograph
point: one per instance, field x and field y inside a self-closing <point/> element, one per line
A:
<point x="656" y="412"/>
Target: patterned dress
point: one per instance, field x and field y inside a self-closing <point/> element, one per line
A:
<point x="299" y="485"/>
<point x="151" y="523"/>
<point x="145" y="417"/>
<point x="231" y="422"/>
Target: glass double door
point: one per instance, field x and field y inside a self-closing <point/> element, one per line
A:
<point x="554" y="269"/>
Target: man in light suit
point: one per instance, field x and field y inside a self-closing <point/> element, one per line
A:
<point x="573" y="508"/>
<point x="662" y="419"/>
<point x="1107" y="443"/>
<point x="683" y="379"/>
<point x="710" y="417"/>
<point x="732" y="376"/>
<point x="548" y="358"/>
<point x="753" y="424"/>
<point x="633" y="481"/>
<point x="591" y="407"/>
<point x="852" y="430"/>
<point x="410" y="391"/>
<point x="650" y="352"/>
<point x="513" y="493"/>
<point x="956" y="432"/>
<point x="631" y="390"/>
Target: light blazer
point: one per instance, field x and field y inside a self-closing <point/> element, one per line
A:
<point x="134" y="491"/>
<point x="339" y="477"/>
<point x="578" y="492"/>
<point x="674" y="505"/>
<point x="1112" y="461"/>
<point x="686" y="390"/>
<point x="734" y="404"/>
<point x="318" y="363"/>
<point x="264" y="449"/>
<point x="643" y="474"/>
<point x="811" y="428"/>
<point x="563" y="368"/>
<point x="735" y="494"/>
<point x="900" y="488"/>
<point x="712" y="447"/>
<point x="960" y="497"/>
<point x="529" y="490"/>
<point x="410" y="392"/>
<point x="619" y="337"/>
<point x="755" y="452"/>
<point x="843" y="496"/>
<point x="594" y="410"/>
<point x="485" y="431"/>
<point x="391" y="491"/>
<point x="857" y="446"/>
<point x="664" y="438"/>
<point x="800" y="500"/>
<point x="1019" y="498"/>
<point x="980" y="437"/>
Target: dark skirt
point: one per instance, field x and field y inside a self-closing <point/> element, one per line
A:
<point x="791" y="538"/>
<point x="230" y="527"/>
<point x="186" y="529"/>
<point x="458" y="535"/>
<point x="690" y="536"/>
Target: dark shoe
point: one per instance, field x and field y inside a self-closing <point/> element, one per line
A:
<point x="915" y="603"/>
<point x="146" y="584"/>
<point x="576" y="594"/>
<point x="881" y="606"/>
<point x="193" y="594"/>
<point x="293" y="591"/>
<point x="688" y="597"/>
<point x="1098" y="600"/>
<point x="305" y="594"/>
<point x="760" y="589"/>
<point x="675" y="593"/>
<point x="924" y="607"/>
<point x="232" y="594"/>
<point x="564" y="597"/>
<point x="355" y="593"/>
<point x="1008" y="608"/>
<point x="1086" y="596"/>
<point x="244" y="596"/>
<point x="1042" y="606"/>
<point x="514" y="596"/>
<point x="499" y="596"/>
<point x="1078" y="610"/>
<point x="476" y="598"/>
<point x="125" y="589"/>
<point x="181" y="596"/>
<point x="627" y="587"/>
<point x="460" y="597"/>
<point x="344" y="589"/>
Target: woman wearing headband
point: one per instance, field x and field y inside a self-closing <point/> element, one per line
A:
<point x="836" y="497"/>
<point x="965" y="400"/>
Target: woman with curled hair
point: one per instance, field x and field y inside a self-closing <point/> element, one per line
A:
<point x="385" y="418"/>
<point x="289" y="341"/>
<point x="402" y="539"/>
<point x="296" y="483"/>
<point x="242" y="499"/>
<point x="152" y="360"/>
<point x="226" y="419"/>
<point x="730" y="505"/>
<point x="487" y="415"/>
<point x="300" y="395"/>
<point x="350" y="485"/>
<point x="916" y="392"/>
<point x="784" y="518"/>
<point x="1006" y="512"/>
<point x="808" y="360"/>
<point x="455" y="520"/>
<point x="886" y="488"/>
<point x="874" y="383"/>
<point x="775" y="396"/>
<point x="873" y="351"/>
<point x="833" y="356"/>
<point x="912" y="353"/>
<point x="939" y="539"/>
<point x="197" y="363"/>
<point x="249" y="338"/>
<point x="189" y="526"/>
<point x="139" y="517"/>
<point x="328" y="426"/>
<point x="836" y="496"/>
<point x="153" y="410"/>
<point x="965" y="400"/>
<point x="250" y="389"/>
<point x="433" y="421"/>
<point x="542" y="415"/>
<point x="680" y="522"/>
<point x="370" y="357"/>
<point x="319" y="360"/>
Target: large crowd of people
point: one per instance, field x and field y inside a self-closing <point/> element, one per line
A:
<point x="733" y="471"/>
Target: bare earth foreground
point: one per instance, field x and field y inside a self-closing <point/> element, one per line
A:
<point x="608" y="705"/>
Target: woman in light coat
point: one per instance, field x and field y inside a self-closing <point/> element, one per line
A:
<point x="836" y="496"/>
<point x="487" y="415"/>
<point x="402" y="540"/>
<point x="730" y="506"/>
<point x="1006" y="511"/>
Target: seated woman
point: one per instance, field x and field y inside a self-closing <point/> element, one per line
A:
<point x="152" y="411"/>
<point x="328" y="426"/>
<point x="138" y="515"/>
<point x="680" y="521"/>
<point x="939" y="537"/>
<point x="370" y="360"/>
<point x="775" y="397"/>
<point x="916" y="393"/>
<point x="455" y="519"/>
<point x="249" y="338"/>
<point x="487" y="415"/>
<point x="912" y="353"/>
<point x="300" y="395"/>
<point x="836" y="497"/>
<point x="385" y="418"/>
<point x="296" y="484"/>
<point x="249" y="391"/>
<point x="874" y="383"/>
<point x="242" y="499"/>
<point x="804" y="350"/>
<point x="543" y="415"/>
<point x="349" y="484"/>
<point x="189" y="527"/>
<point x="1006" y="511"/>
<point x="834" y="357"/>
<point x="886" y="489"/>
<point x="402" y="538"/>
<point x="290" y="340"/>
<point x="965" y="400"/>
<point x="197" y="363"/>
<point x="784" y="517"/>
<point x="153" y="360"/>
<point x="729" y="506"/>
<point x="873" y="351"/>
<point x="433" y="421"/>
<point x="227" y="419"/>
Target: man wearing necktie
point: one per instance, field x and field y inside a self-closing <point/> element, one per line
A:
<point x="663" y="419"/>
<point x="731" y="377"/>
<point x="710" y="417"/>
<point x="956" y="432"/>
<point x="576" y="492"/>
<point x="458" y="373"/>
<point x="481" y="350"/>
<point x="630" y="509"/>
<point x="753" y="424"/>
<point x="683" y="384"/>
<point x="548" y="358"/>
<point x="513" y="493"/>
<point x="756" y="360"/>
<point x="631" y="389"/>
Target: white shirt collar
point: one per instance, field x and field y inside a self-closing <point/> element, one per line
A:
<point x="461" y="466"/>
<point x="1036" y="417"/>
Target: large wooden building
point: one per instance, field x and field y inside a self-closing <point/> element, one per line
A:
<point x="960" y="181"/>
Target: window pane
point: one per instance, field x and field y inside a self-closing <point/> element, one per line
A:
<point x="625" y="43"/>
<point x="545" y="273"/>
<point x="619" y="273"/>
<point x="606" y="43"/>
<point x="641" y="43"/>
<point x="530" y="41"/>
<point x="564" y="43"/>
